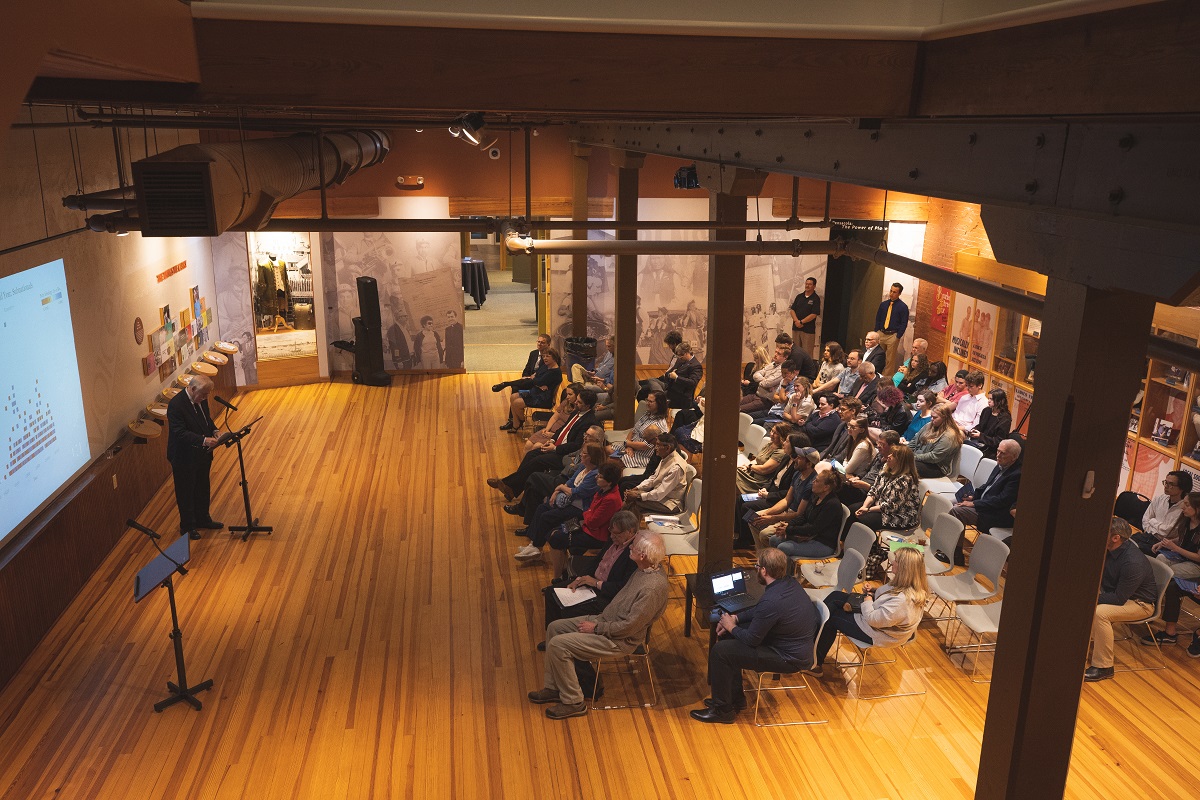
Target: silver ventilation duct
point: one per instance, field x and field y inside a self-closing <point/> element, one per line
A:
<point x="207" y="189"/>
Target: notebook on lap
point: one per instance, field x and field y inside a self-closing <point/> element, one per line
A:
<point x="729" y="592"/>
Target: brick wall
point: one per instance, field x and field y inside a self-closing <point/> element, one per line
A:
<point x="953" y="226"/>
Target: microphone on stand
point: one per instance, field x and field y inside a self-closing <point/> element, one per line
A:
<point x="225" y="403"/>
<point x="142" y="528"/>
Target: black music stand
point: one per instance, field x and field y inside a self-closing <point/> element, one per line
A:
<point x="158" y="573"/>
<point x="234" y="438"/>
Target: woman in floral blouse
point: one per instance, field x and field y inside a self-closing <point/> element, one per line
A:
<point x="895" y="500"/>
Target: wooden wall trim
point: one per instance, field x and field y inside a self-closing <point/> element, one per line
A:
<point x="598" y="207"/>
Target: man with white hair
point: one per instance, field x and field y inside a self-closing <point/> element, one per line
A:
<point x="191" y="435"/>
<point x="990" y="505"/>
<point x="867" y="385"/>
<point x="619" y="629"/>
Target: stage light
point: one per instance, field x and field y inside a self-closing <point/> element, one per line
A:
<point x="686" y="178"/>
<point x="468" y="127"/>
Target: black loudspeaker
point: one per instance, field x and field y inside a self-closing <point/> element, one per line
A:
<point x="368" y="337"/>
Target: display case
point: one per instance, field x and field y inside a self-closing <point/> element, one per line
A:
<point x="1164" y="423"/>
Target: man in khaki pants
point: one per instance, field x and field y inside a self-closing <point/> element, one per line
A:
<point x="1127" y="592"/>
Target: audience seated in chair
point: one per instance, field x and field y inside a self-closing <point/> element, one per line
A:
<point x="888" y="412"/>
<point x="847" y="410"/>
<point x="833" y="365"/>
<point x="607" y="576"/>
<point x="1178" y="549"/>
<point x="968" y="407"/>
<point x="922" y="414"/>
<point x="680" y="380"/>
<point x="1127" y="592"/>
<point x="531" y="367"/>
<point x="866" y="386"/>
<point x="841" y="385"/>
<point x="562" y="412"/>
<point x="937" y="445"/>
<point x="539" y="485"/>
<point x="790" y="383"/>
<point x="662" y="492"/>
<point x="814" y="534"/>
<point x="772" y="493"/>
<point x="567" y="502"/>
<point x="889" y="615"/>
<point x="856" y="487"/>
<point x="590" y="531"/>
<point x="672" y="340"/>
<point x="894" y="502"/>
<point x="990" y="505"/>
<point x="753" y="370"/>
<point x="823" y="423"/>
<point x="549" y="457"/>
<point x="771" y="456"/>
<point x="619" y="629"/>
<point x="546" y="381"/>
<point x="768" y="379"/>
<point x="1164" y="510"/>
<point x="635" y="449"/>
<point x="774" y="635"/>
<point x="769" y="521"/>
<point x="911" y="367"/>
<point x="600" y="378"/>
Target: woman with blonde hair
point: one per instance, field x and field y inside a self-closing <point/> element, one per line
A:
<point x="749" y="381"/>
<point x="887" y="616"/>
<point x="894" y="502"/>
<point x="938" y="443"/>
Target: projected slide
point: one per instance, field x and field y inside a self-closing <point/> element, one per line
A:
<point x="43" y="435"/>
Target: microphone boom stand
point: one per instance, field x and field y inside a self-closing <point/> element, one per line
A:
<point x="251" y="525"/>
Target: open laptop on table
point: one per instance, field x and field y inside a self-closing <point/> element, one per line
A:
<point x="729" y="592"/>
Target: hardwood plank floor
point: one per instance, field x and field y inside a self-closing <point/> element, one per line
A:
<point x="380" y="644"/>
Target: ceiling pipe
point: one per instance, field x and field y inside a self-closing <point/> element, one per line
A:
<point x="351" y="225"/>
<point x="516" y="243"/>
<point x="673" y="225"/>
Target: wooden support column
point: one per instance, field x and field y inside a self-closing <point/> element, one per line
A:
<point x="1092" y="354"/>
<point x="722" y="389"/>
<point x="624" y="375"/>
<point x="579" y="209"/>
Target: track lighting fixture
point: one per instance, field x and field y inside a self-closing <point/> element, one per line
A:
<point x="468" y="126"/>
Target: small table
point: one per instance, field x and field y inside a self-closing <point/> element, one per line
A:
<point x="698" y="588"/>
<point x="475" y="280"/>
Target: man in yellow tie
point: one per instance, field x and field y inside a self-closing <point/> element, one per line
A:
<point x="891" y="321"/>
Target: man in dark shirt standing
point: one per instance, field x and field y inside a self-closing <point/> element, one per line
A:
<point x="891" y="321"/>
<point x="776" y="635"/>
<point x="1127" y="592"/>
<point x="805" y="310"/>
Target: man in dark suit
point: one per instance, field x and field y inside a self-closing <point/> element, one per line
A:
<point x="453" y="336"/>
<point x="867" y="385"/>
<point x="191" y="435"/>
<point x="549" y="457"/>
<point x="531" y="366"/>
<point x="776" y="635"/>
<point x="679" y="381"/>
<point x="991" y="504"/>
<point x="874" y="352"/>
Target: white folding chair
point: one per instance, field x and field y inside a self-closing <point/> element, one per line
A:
<point x="943" y="537"/>
<point x="849" y="573"/>
<point x="987" y="561"/>
<point x="859" y="538"/>
<point x="684" y="522"/>
<point x="934" y="506"/>
<point x="982" y="472"/>
<point x="980" y="621"/>
<point x="823" y="618"/>
<point x="744" y="423"/>
<point x="756" y="436"/>
<point x="864" y="650"/>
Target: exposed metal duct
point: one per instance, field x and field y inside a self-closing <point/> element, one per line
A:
<point x="207" y="189"/>
<point x="641" y="247"/>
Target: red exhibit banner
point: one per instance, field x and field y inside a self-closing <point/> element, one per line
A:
<point x="941" y="309"/>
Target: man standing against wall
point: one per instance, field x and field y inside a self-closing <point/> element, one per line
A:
<point x="891" y="320"/>
<point x="805" y="310"/>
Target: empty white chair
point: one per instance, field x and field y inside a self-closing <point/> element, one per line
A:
<point x="980" y="621"/>
<point x="1003" y="534"/>
<point x="744" y="423"/>
<point x="987" y="561"/>
<point x="859" y="538"/>
<point x="943" y="537"/>
<point x="849" y="571"/>
<point x="934" y="506"/>
<point x="686" y="545"/>
<point x="965" y="464"/>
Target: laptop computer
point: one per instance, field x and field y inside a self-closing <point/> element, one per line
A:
<point x="729" y="592"/>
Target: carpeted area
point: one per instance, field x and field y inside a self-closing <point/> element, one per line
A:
<point x="499" y="336"/>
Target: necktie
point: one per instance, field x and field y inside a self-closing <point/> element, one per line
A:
<point x="887" y="320"/>
<point x="562" y="435"/>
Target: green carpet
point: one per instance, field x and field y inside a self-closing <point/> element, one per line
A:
<point x="499" y="336"/>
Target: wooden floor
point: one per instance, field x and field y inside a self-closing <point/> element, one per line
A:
<point x="381" y="642"/>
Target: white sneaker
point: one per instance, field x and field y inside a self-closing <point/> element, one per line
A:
<point x="528" y="552"/>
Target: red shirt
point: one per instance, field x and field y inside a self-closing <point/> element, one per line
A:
<point x="600" y="513"/>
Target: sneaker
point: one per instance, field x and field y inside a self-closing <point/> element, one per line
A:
<point x="562" y="711"/>
<point x="543" y="696"/>
<point x="1193" y="649"/>
<point x="528" y="553"/>
<point x="1160" y="637"/>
